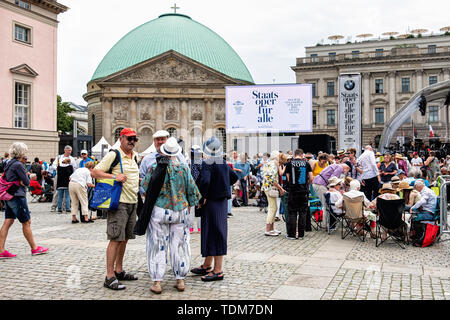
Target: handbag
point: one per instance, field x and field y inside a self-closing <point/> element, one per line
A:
<point x="273" y="193"/>
<point x="107" y="193"/>
<point x="8" y="189"/>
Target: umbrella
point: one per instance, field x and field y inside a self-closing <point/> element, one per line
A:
<point x="389" y="33"/>
<point x="444" y="29"/>
<point x="336" y="37"/>
<point x="403" y="36"/>
<point x="364" y="35"/>
<point x="419" y="31"/>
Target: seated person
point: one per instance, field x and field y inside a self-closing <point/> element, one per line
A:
<point x="395" y="181"/>
<point x="387" y="192"/>
<point x="408" y="193"/>
<point x="35" y="185"/>
<point x="347" y="182"/>
<point x="418" y="176"/>
<point x="354" y="192"/>
<point x="334" y="189"/>
<point x="426" y="206"/>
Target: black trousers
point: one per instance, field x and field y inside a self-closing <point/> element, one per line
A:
<point x="297" y="208"/>
<point x="244" y="191"/>
<point x="371" y="187"/>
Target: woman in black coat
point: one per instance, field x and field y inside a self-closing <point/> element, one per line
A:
<point x="214" y="185"/>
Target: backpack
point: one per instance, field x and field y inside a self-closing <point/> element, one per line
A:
<point x="117" y="160"/>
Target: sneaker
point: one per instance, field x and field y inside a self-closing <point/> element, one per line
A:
<point x="39" y="250"/>
<point x="59" y="211"/>
<point x="6" y="255"/>
<point x="191" y="230"/>
<point x="230" y="214"/>
<point x="76" y="221"/>
<point x="290" y="238"/>
<point x="277" y="231"/>
<point x="53" y="209"/>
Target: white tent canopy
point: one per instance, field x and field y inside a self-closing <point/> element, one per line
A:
<point x="116" y="145"/>
<point x="149" y="150"/>
<point x="97" y="149"/>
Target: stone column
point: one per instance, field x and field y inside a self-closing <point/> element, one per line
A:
<point x="392" y="95"/>
<point x="159" y="119"/>
<point x="366" y="96"/>
<point x="209" y="127"/>
<point x="107" y="119"/>
<point x="133" y="113"/>
<point x="419" y="80"/>
<point x="184" y="124"/>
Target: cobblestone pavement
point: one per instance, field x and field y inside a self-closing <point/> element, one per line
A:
<point x="256" y="267"/>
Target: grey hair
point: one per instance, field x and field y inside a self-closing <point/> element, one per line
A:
<point x="242" y="157"/>
<point x="417" y="174"/>
<point x="18" y="150"/>
<point x="67" y="147"/>
<point x="32" y="176"/>
<point x="418" y="183"/>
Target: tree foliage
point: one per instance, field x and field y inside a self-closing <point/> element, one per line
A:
<point x="64" y="121"/>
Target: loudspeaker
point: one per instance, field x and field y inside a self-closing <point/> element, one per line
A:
<point x="314" y="143"/>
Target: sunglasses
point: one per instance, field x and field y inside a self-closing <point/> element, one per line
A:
<point x="133" y="138"/>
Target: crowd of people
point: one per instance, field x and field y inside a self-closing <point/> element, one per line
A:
<point x="178" y="192"/>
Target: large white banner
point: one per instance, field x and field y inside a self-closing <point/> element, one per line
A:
<point x="350" y="112"/>
<point x="269" y="108"/>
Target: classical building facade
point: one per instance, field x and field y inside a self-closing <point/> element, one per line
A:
<point x="28" y="52"/>
<point x="170" y="74"/>
<point x="392" y="71"/>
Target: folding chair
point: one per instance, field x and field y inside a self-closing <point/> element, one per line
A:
<point x="333" y="218"/>
<point x="353" y="209"/>
<point x="34" y="197"/>
<point x="389" y="219"/>
<point x="315" y="209"/>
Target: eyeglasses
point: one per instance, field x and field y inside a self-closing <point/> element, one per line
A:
<point x="132" y="138"/>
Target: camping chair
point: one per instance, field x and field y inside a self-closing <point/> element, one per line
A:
<point x="315" y="209"/>
<point x="353" y="209"/>
<point x="34" y="197"/>
<point x="389" y="219"/>
<point x="332" y="218"/>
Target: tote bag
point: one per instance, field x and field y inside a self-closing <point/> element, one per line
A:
<point x="107" y="193"/>
<point x="7" y="189"/>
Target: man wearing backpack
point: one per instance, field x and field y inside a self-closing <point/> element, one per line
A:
<point x="120" y="222"/>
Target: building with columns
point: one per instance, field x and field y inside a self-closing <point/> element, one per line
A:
<point x="28" y="55"/>
<point x="169" y="73"/>
<point x="392" y="71"/>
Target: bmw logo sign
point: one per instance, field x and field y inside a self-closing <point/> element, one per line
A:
<point x="349" y="85"/>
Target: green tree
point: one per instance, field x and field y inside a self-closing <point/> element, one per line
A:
<point x="64" y="121"/>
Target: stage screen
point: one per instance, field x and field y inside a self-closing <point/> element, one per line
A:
<point x="269" y="108"/>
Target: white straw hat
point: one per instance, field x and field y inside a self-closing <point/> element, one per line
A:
<point x="171" y="148"/>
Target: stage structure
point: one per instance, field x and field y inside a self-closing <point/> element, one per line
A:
<point x="438" y="92"/>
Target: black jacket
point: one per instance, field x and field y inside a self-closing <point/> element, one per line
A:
<point x="215" y="179"/>
<point x="154" y="188"/>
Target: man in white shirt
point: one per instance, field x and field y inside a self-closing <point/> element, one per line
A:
<point x="369" y="174"/>
<point x="59" y="162"/>
<point x="416" y="162"/>
<point x="79" y="181"/>
<point x="427" y="201"/>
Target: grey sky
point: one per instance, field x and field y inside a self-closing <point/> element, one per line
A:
<point x="267" y="35"/>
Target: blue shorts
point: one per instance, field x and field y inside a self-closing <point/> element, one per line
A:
<point x="17" y="207"/>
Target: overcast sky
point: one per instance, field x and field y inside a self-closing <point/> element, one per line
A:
<point x="268" y="35"/>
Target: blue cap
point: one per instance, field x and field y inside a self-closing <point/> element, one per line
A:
<point x="213" y="147"/>
<point x="400" y="171"/>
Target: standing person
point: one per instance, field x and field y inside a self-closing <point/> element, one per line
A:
<point x="196" y="167"/>
<point x="401" y="163"/>
<point x="319" y="164"/>
<point x="351" y="162"/>
<point x="80" y="180"/>
<point x="369" y="174"/>
<point x="170" y="219"/>
<point x="244" y="168"/>
<point x="84" y="159"/>
<point x="63" y="177"/>
<point x="120" y="222"/>
<point x="17" y="207"/>
<point x="416" y="161"/>
<point x="56" y="163"/>
<point x="270" y="185"/>
<point x="299" y="176"/>
<point x="37" y="169"/>
<point x="388" y="169"/>
<point x="216" y="179"/>
<point x="432" y="165"/>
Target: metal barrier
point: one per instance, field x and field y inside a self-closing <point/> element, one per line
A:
<point x="444" y="226"/>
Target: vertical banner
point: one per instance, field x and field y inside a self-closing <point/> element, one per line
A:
<point x="349" y="125"/>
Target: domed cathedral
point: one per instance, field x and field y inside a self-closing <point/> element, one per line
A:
<point x="169" y="73"/>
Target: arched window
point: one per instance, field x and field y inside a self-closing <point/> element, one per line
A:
<point x="117" y="134"/>
<point x="145" y="138"/>
<point x="172" y="132"/>
<point x="196" y="136"/>
<point x="222" y="136"/>
<point x="93" y="126"/>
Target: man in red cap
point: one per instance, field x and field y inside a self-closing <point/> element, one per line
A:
<point x="120" y="222"/>
<point x="416" y="161"/>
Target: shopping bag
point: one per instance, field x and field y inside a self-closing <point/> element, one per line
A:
<point x="7" y="189"/>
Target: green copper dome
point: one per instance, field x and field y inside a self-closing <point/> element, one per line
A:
<point x="173" y="32"/>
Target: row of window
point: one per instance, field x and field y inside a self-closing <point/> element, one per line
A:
<point x="379" y="86"/>
<point x="355" y="54"/>
<point x="433" y="116"/>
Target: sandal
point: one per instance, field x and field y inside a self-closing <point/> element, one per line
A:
<point x="156" y="287"/>
<point x="125" y="276"/>
<point x="179" y="285"/>
<point x="213" y="276"/>
<point x="201" y="271"/>
<point x="113" y="284"/>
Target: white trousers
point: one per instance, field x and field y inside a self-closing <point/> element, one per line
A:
<point x="168" y="229"/>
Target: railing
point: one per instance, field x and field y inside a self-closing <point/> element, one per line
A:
<point x="444" y="227"/>
<point x="397" y="52"/>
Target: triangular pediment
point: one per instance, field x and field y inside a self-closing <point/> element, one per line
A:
<point x="24" y="70"/>
<point x="169" y="68"/>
